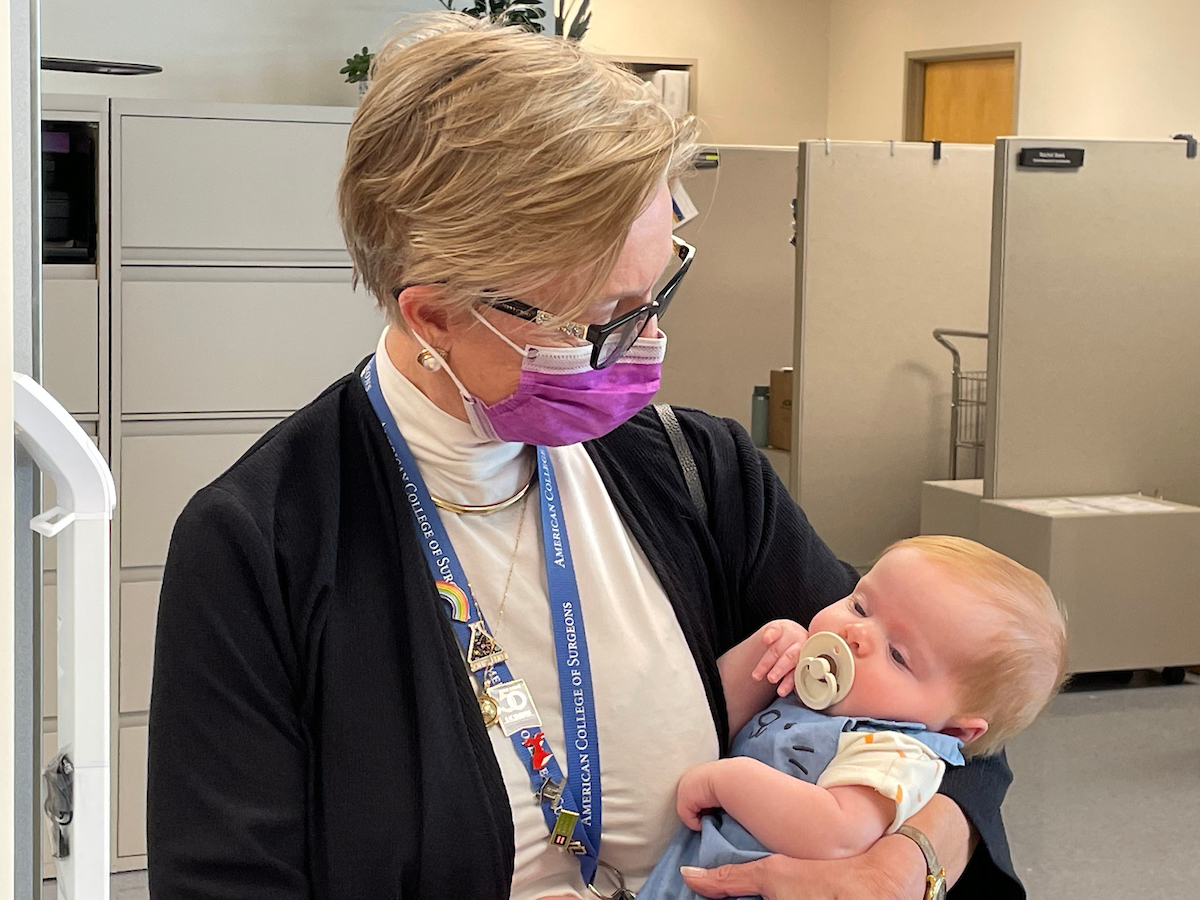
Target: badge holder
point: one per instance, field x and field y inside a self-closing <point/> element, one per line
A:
<point x="620" y="892"/>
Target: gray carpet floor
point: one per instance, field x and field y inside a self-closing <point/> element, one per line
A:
<point x="1105" y="801"/>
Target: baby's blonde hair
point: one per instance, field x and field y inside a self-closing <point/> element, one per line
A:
<point x="494" y="162"/>
<point x="1016" y="679"/>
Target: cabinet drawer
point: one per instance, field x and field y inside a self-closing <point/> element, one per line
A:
<point x="139" y="614"/>
<point x="230" y="183"/>
<point x="225" y="346"/>
<point x="131" y="791"/>
<point x="71" y="343"/>
<point x="159" y="474"/>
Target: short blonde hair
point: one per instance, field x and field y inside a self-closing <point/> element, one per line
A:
<point x="493" y="162"/>
<point x="1012" y="683"/>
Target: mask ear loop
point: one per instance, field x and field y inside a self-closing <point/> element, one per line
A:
<point x="494" y="330"/>
<point x="444" y="367"/>
<point x="471" y="405"/>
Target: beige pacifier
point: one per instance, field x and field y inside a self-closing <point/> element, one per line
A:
<point x="825" y="671"/>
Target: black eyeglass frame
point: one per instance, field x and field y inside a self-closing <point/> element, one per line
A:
<point x="596" y="335"/>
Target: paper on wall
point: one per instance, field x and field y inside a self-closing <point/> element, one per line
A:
<point x="682" y="207"/>
<point x="674" y="87"/>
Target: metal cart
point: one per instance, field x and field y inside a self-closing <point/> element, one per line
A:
<point x="968" y="405"/>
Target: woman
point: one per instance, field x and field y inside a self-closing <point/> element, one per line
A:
<point x="451" y="631"/>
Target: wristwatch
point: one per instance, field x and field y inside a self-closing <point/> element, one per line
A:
<point x="935" y="882"/>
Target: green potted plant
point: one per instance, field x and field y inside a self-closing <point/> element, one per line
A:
<point x="358" y="68"/>
<point x="580" y="18"/>
<point x="506" y="12"/>
<point x="571" y="20"/>
<point x="571" y="17"/>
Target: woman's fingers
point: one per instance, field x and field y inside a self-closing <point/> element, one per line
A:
<point x="745" y="880"/>
<point x="783" y="878"/>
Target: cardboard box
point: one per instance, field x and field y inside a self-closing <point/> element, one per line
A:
<point x="779" y="426"/>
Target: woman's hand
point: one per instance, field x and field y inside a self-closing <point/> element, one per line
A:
<point x="875" y="875"/>
<point x="782" y="640"/>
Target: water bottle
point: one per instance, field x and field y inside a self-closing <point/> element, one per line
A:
<point x="760" y="407"/>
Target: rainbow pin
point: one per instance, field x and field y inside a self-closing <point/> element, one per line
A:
<point x="460" y="608"/>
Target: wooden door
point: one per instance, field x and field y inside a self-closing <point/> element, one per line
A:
<point x="968" y="101"/>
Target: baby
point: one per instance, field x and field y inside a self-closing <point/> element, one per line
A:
<point x="944" y="647"/>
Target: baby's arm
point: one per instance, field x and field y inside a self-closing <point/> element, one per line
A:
<point x="751" y="671"/>
<point x="785" y="814"/>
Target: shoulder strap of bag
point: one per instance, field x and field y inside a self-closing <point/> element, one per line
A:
<point x="687" y="462"/>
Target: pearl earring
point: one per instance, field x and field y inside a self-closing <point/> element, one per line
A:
<point x="429" y="360"/>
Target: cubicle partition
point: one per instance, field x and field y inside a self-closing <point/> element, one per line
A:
<point x="1092" y="472"/>
<point x="1095" y="307"/>
<point x="731" y="323"/>
<point x="893" y="242"/>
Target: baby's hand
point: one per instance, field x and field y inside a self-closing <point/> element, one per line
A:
<point x="783" y="639"/>
<point x="696" y="794"/>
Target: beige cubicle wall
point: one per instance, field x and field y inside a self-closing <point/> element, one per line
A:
<point x="892" y="244"/>
<point x="731" y="322"/>
<point x="1095" y="310"/>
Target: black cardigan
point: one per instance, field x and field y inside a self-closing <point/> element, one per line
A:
<point x="313" y="731"/>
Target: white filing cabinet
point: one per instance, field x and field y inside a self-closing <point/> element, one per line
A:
<point x="232" y="307"/>
<point x="220" y="302"/>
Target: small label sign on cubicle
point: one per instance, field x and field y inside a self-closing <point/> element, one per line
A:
<point x="1050" y="158"/>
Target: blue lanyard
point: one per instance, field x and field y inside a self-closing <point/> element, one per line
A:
<point x="571" y="807"/>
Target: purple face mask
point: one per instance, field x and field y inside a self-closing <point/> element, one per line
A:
<point x="560" y="398"/>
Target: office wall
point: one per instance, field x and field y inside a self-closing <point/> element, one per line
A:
<point x="261" y="51"/>
<point x="1089" y="68"/>
<point x="762" y="66"/>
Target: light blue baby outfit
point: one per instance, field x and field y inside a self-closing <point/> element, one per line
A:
<point x="789" y="737"/>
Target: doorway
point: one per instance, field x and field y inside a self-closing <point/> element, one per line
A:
<point x="966" y="95"/>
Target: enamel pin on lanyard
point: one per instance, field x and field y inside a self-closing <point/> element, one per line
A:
<point x="571" y="807"/>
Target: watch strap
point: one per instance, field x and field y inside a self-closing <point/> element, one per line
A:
<point x="935" y="883"/>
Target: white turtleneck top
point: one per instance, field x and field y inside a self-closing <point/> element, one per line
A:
<point x="653" y="718"/>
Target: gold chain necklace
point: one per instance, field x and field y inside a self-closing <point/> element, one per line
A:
<point x="487" y="705"/>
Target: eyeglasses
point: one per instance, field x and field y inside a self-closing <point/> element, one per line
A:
<point x="613" y="339"/>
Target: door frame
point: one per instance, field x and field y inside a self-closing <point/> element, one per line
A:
<point x="914" y="80"/>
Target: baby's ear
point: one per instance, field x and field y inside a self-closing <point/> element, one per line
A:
<point x="967" y="729"/>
